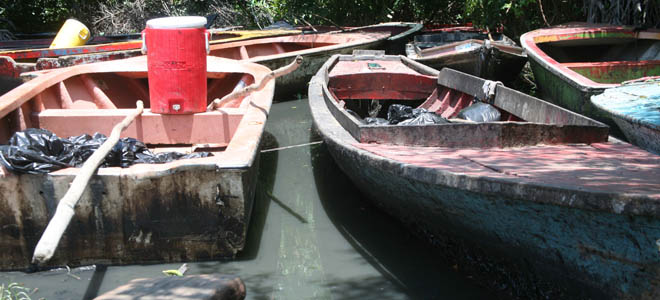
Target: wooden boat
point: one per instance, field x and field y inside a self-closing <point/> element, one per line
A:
<point x="191" y="209"/>
<point x="635" y="108"/>
<point x="14" y="62"/>
<point x="538" y="200"/>
<point x="314" y="48"/>
<point x="573" y="62"/>
<point x="471" y="52"/>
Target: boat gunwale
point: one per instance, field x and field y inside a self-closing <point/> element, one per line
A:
<point x="238" y="155"/>
<point x="368" y="38"/>
<point x="529" y="42"/>
<point x="239" y="35"/>
<point x="420" y="54"/>
<point x="335" y="135"/>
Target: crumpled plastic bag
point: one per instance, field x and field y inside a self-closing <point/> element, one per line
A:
<point x="375" y="121"/>
<point x="37" y="151"/>
<point x="405" y="115"/>
<point x="479" y="112"/>
<point x="425" y="118"/>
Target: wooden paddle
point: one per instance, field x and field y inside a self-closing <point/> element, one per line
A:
<point x="65" y="208"/>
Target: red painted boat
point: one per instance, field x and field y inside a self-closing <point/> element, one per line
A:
<point x="190" y="209"/>
<point x="539" y="195"/>
<point x="573" y="62"/>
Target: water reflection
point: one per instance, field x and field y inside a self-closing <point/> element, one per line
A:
<point x="311" y="236"/>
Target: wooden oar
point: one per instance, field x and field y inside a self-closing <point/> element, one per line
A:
<point x="65" y="208"/>
<point x="257" y="85"/>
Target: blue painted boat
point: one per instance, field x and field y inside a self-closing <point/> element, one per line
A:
<point x="537" y="204"/>
<point x="635" y="108"/>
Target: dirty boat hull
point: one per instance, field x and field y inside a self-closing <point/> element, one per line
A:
<point x="569" y="69"/>
<point x="184" y="210"/>
<point x="545" y="244"/>
<point x="542" y="238"/>
<point x="165" y="216"/>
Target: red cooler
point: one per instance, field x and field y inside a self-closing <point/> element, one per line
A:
<point x="176" y="50"/>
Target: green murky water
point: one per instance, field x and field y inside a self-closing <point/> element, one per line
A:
<point x="312" y="236"/>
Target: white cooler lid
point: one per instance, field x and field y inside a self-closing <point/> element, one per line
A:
<point x="177" y="22"/>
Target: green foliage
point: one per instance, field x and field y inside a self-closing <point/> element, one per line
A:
<point x="516" y="17"/>
<point x="14" y="291"/>
<point x="41" y="15"/>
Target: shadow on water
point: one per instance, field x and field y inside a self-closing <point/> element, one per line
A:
<point x="384" y="243"/>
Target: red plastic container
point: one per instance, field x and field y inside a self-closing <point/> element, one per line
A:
<point x="176" y="50"/>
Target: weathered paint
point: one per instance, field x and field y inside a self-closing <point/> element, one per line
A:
<point x="561" y="221"/>
<point x="194" y="209"/>
<point x="635" y="108"/>
<point x="616" y="72"/>
<point x="594" y="34"/>
<point x="10" y="68"/>
<point x="218" y="37"/>
<point x="572" y="84"/>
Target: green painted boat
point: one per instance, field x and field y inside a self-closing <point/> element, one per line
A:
<point x="573" y="62"/>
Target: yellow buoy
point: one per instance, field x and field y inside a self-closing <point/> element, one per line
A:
<point x="72" y="34"/>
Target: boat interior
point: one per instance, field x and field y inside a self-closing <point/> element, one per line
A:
<point x="437" y="44"/>
<point x="367" y="88"/>
<point x="607" y="60"/>
<point x="95" y="102"/>
<point x="433" y="40"/>
<point x="279" y="45"/>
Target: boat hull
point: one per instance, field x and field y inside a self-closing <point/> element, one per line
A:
<point x="182" y="210"/>
<point x="643" y="136"/>
<point x="506" y="238"/>
<point x="184" y="214"/>
<point x="560" y="236"/>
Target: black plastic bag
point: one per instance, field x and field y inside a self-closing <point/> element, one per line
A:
<point x="425" y="118"/>
<point x="38" y="151"/>
<point x="399" y="112"/>
<point x="406" y="115"/>
<point x="480" y="112"/>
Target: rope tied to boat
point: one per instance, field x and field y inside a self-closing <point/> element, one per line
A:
<point x="489" y="89"/>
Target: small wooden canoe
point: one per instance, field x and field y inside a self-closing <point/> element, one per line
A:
<point x="540" y="196"/>
<point x="573" y="62"/>
<point x="471" y="52"/>
<point x="191" y="209"/>
<point x="14" y="62"/>
<point x="635" y="108"/>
